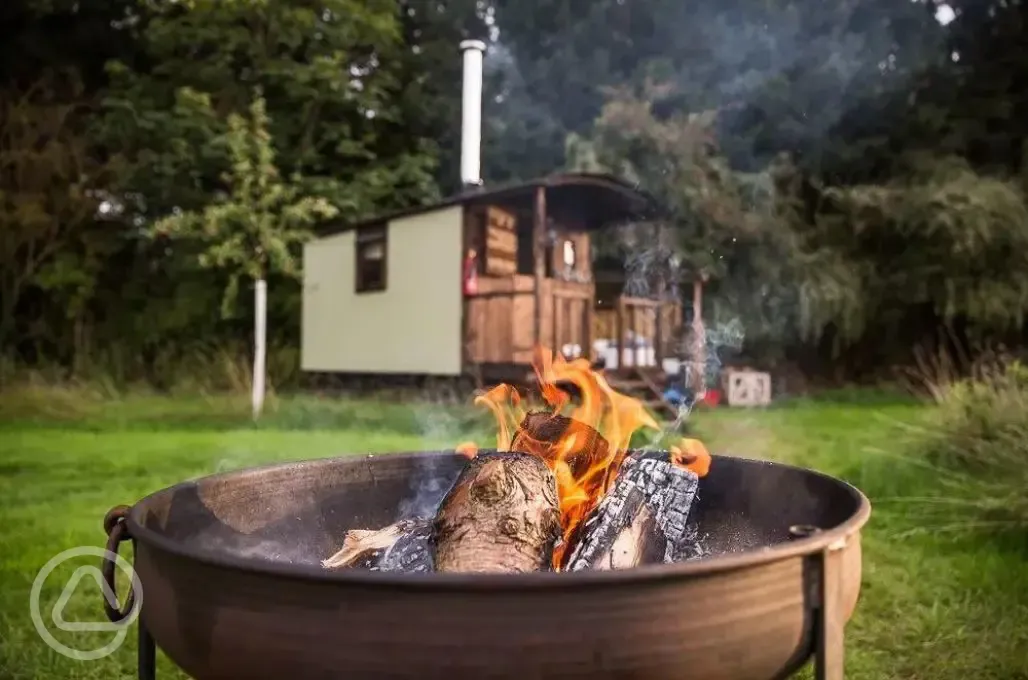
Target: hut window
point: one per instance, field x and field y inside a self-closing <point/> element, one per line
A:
<point x="371" y="259"/>
<point x="569" y="254"/>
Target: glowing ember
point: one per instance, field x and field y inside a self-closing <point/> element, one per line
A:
<point x="583" y="443"/>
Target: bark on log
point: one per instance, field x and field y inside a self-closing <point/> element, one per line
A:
<point x="501" y="515"/>
<point x="642" y="519"/>
<point x="402" y="547"/>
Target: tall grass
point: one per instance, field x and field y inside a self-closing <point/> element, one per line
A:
<point x="977" y="444"/>
<point x="202" y="368"/>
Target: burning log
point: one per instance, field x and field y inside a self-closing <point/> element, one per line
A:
<point x="403" y="546"/>
<point x="642" y="519"/>
<point x="501" y="515"/>
<point x="540" y="432"/>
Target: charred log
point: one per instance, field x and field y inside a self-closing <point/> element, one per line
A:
<point x="401" y="547"/>
<point x="501" y="515"/>
<point x="642" y="519"/>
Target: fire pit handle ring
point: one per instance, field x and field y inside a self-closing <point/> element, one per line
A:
<point x="798" y="531"/>
<point x="117" y="533"/>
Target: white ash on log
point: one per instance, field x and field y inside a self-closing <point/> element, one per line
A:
<point x="641" y="519"/>
<point x="403" y="547"/>
<point x="501" y="515"/>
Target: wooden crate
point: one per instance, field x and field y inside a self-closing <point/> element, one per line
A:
<point x="747" y="388"/>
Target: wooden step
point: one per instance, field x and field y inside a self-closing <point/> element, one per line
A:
<point x="623" y="384"/>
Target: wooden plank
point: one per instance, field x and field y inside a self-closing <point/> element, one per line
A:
<point x="488" y="285"/>
<point x="500" y="330"/>
<point x="500" y="218"/>
<point x="500" y="243"/>
<point x="557" y="324"/>
<point x="584" y="265"/>
<point x="658" y="340"/>
<point x="590" y="322"/>
<point x="524" y="313"/>
<point x="473" y="335"/>
<point x="639" y="302"/>
<point x="620" y="328"/>
<point x="498" y="266"/>
<point x="538" y="253"/>
<point x="545" y="314"/>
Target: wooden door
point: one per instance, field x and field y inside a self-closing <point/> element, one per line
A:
<point x="571" y="318"/>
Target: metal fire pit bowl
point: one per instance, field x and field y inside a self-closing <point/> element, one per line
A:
<point x="232" y="586"/>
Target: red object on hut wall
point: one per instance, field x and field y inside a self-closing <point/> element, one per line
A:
<point x="470" y="277"/>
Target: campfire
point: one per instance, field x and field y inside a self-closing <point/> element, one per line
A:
<point x="561" y="492"/>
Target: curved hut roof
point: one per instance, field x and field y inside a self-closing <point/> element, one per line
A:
<point x="586" y="201"/>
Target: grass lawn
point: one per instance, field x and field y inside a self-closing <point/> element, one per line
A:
<point x="936" y="604"/>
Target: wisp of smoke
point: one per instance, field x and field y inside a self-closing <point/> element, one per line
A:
<point x="438" y="426"/>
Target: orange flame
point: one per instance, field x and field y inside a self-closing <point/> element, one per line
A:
<point x="586" y="452"/>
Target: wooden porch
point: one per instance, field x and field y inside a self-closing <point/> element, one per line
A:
<point x="535" y="287"/>
<point x="501" y="326"/>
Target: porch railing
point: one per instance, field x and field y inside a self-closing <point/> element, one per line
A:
<point x="653" y="320"/>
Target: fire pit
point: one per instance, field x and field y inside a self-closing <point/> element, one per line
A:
<point x="564" y="554"/>
<point x="230" y="568"/>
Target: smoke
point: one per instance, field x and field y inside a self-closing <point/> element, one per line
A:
<point x="651" y="263"/>
<point x="439" y="421"/>
<point x="428" y="486"/>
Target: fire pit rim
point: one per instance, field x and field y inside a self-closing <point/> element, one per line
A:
<point x="829" y="538"/>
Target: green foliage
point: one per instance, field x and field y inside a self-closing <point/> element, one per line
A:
<point x="137" y="97"/>
<point x="49" y="193"/>
<point x="251" y="228"/>
<point x="330" y="73"/>
<point x="957" y="240"/>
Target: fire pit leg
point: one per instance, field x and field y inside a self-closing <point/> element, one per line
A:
<point x="147" y="669"/>
<point x="830" y="618"/>
<point x="828" y="613"/>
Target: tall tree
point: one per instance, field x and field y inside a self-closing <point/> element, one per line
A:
<point x="330" y="72"/>
<point x="253" y="226"/>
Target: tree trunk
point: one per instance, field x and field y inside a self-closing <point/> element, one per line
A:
<point x="259" y="352"/>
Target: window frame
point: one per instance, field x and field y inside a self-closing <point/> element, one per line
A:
<point x="364" y="237"/>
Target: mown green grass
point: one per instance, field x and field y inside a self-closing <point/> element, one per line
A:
<point x="936" y="603"/>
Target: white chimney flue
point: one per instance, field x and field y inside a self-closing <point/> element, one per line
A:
<point x="471" y="114"/>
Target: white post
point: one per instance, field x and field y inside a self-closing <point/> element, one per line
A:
<point x="471" y="114"/>
<point x="260" y="315"/>
<point x="699" y="349"/>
